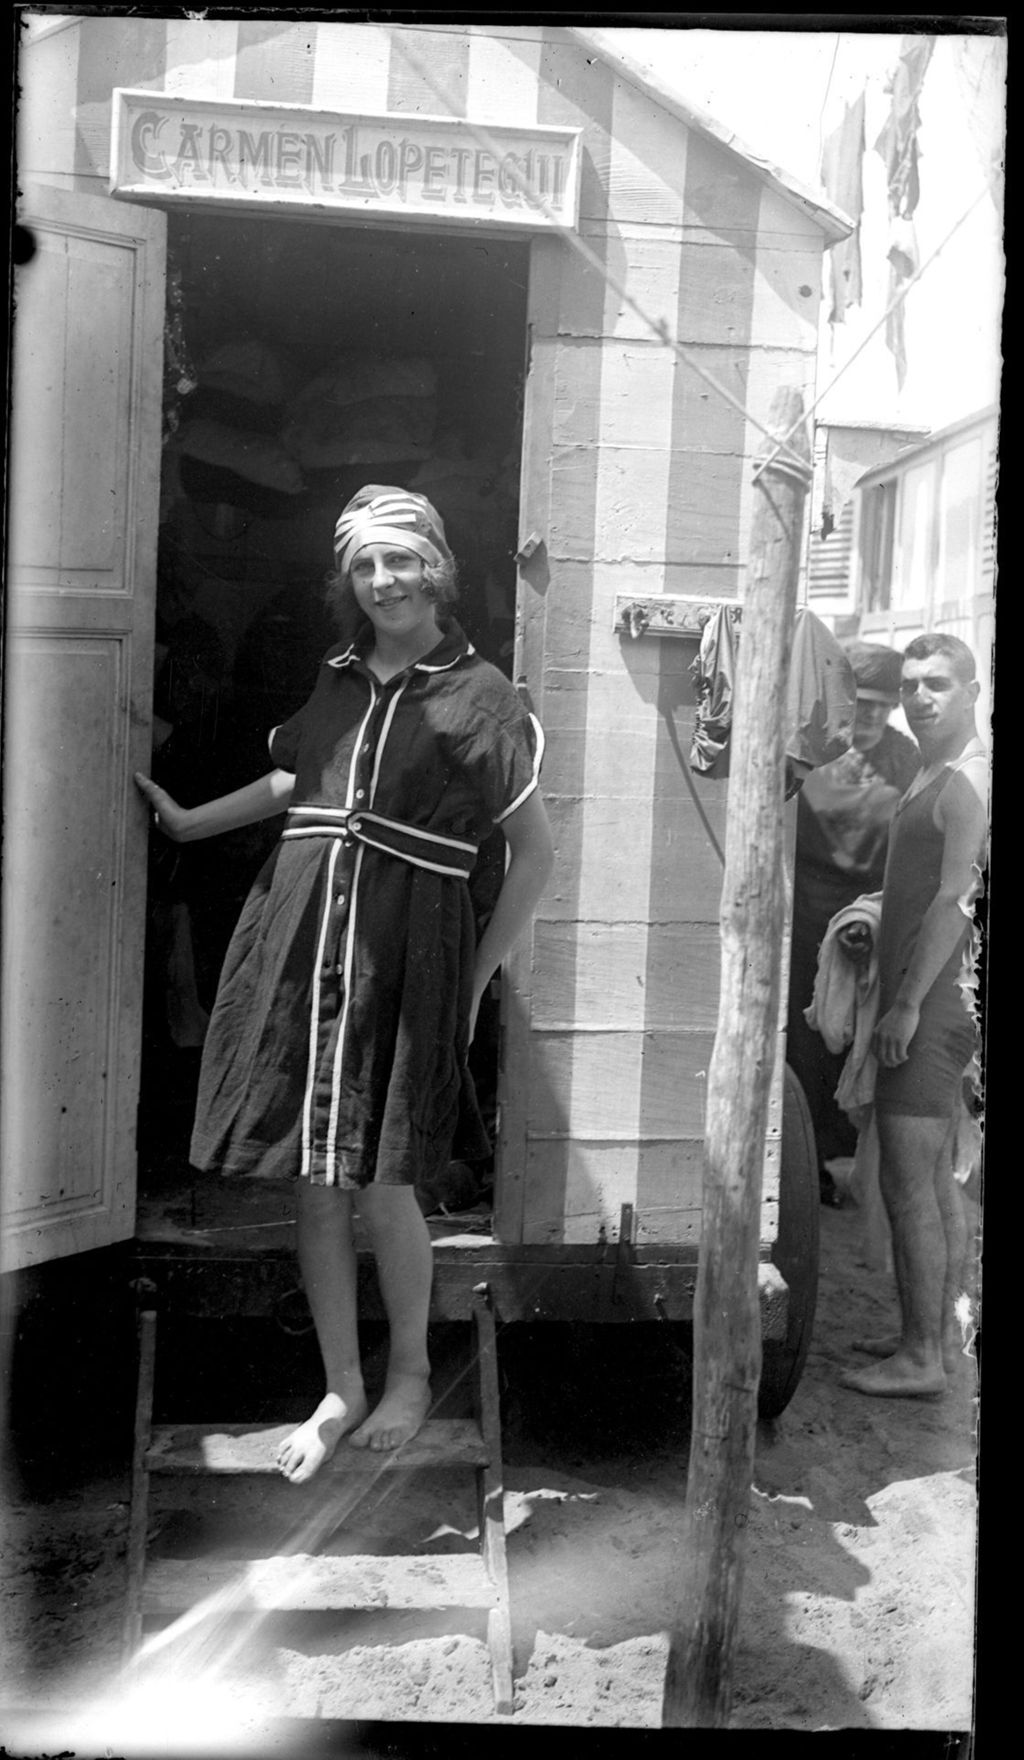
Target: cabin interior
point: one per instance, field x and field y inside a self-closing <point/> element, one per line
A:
<point x="302" y="360"/>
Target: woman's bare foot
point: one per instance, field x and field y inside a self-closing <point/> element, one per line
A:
<point x="888" y="1344"/>
<point x="899" y="1377"/>
<point x="402" y="1410"/>
<point x="307" y="1448"/>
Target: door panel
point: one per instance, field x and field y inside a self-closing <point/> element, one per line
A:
<point x="81" y="581"/>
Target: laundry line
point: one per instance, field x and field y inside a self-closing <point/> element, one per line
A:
<point x="781" y="448"/>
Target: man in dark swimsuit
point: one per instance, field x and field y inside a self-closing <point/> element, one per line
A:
<point x="926" y="1036"/>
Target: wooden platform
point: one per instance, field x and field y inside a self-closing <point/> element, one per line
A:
<point x="326" y="1582"/>
<point x="252" y="1449"/>
<point x="229" y="1247"/>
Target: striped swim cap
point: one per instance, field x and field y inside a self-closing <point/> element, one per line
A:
<point x="382" y="515"/>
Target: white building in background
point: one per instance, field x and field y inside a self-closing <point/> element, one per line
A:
<point x="784" y="93"/>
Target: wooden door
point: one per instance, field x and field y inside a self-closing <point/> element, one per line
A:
<point x="81" y="581"/>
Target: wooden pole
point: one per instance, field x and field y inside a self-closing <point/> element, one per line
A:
<point x="727" y="1331"/>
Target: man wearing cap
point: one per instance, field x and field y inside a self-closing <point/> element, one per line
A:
<point x="843" y="818"/>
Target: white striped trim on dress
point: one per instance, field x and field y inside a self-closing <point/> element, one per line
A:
<point x="332" y="1128"/>
<point x="314" y="1022"/>
<point x="394" y="837"/>
<point x="307" y="1104"/>
<point x="538" y="757"/>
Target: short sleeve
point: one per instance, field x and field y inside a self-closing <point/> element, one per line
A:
<point x="502" y="751"/>
<point x="284" y="742"/>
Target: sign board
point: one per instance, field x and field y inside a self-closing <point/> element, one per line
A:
<point x="168" y="148"/>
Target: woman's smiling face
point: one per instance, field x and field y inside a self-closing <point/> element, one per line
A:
<point x="389" y="588"/>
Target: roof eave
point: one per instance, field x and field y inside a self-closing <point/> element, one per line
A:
<point x="833" y="222"/>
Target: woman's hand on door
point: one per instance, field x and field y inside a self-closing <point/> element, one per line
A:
<point x="168" y="816"/>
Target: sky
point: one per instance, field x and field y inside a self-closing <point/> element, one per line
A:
<point x="782" y="92"/>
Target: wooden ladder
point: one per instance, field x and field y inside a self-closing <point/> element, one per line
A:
<point x="326" y="1583"/>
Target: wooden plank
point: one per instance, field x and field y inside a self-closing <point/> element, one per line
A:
<point x="677" y="832"/>
<point x="113" y="52"/>
<point x="424" y="62"/>
<point x="530" y="1281"/>
<point x="303" y="1583"/>
<point x="576" y="92"/>
<point x="645" y="166"/>
<point x="787" y="298"/>
<point x="201" y="56"/>
<point x="547" y="269"/>
<point x="252" y="1448"/>
<point x="784" y="224"/>
<point x="695" y="580"/>
<point x="632" y="975"/>
<point x="275" y="60"/>
<point x="503" y="79"/>
<point x="748" y="300"/>
<point x="350" y="72"/>
<point x="703" y="527"/>
<point x="81" y="575"/>
<point x="579" y="1080"/>
<point x="48" y="79"/>
<point x="491" y="1503"/>
<point x="692" y="277"/>
<point x="721" y="191"/>
<point x="661" y="1178"/>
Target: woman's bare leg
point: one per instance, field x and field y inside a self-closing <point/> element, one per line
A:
<point x="328" y="1262"/>
<point x="401" y="1245"/>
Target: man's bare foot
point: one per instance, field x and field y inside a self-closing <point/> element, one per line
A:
<point x="899" y="1377"/>
<point x="888" y="1344"/>
<point x="403" y="1407"/>
<point x="304" y="1452"/>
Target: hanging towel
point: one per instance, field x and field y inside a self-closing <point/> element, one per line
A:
<point x="844" y="1011"/>
<point x="844" y="1006"/>
<point x="842" y="175"/>
<point x="714" y="675"/>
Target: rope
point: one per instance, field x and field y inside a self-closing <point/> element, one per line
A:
<point x="658" y="326"/>
<point x="780" y="447"/>
<point x="886" y="315"/>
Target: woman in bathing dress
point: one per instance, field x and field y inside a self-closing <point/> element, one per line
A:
<point x="336" y="1053"/>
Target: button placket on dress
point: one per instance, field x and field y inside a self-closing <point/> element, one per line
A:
<point x="347" y="856"/>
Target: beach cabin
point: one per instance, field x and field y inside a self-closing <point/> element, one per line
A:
<point x="268" y="260"/>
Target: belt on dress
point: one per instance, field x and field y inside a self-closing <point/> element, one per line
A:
<point x="424" y="849"/>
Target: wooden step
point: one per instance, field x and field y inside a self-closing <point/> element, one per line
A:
<point x="318" y="1584"/>
<point x="252" y="1448"/>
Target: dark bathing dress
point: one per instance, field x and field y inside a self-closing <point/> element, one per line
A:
<point x="337" y="1046"/>
<point x="929" y="1084"/>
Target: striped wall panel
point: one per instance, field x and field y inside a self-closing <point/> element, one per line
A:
<point x="650" y="480"/>
<point x="637" y="474"/>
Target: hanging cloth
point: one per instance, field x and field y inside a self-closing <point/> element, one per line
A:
<point x="820" y="701"/>
<point x="844" y="1011"/>
<point x="841" y="173"/>
<point x="714" y="673"/>
<point x="898" y="148"/>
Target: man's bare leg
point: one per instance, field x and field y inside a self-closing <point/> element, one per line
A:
<point x="401" y="1245"/>
<point x="328" y="1262"/>
<point x="912" y="1154"/>
<point x="954" y="1222"/>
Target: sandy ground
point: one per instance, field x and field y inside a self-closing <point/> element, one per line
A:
<point x="858" y="1605"/>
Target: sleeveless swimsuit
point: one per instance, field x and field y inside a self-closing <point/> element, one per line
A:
<point x="928" y="1084"/>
